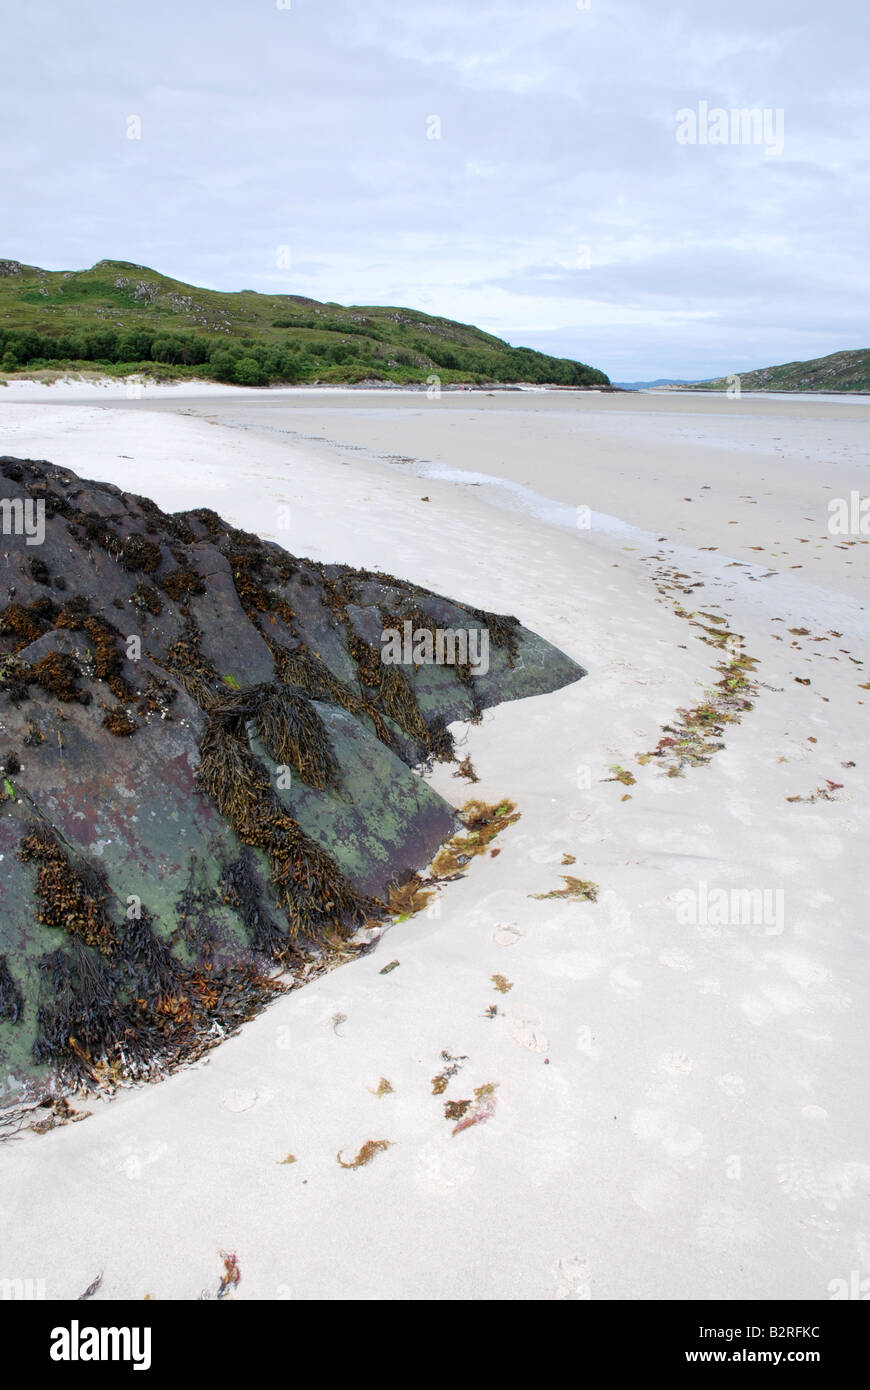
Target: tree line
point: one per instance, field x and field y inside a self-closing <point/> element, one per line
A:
<point x="252" y="362"/>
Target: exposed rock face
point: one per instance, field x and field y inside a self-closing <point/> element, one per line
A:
<point x="207" y="766"/>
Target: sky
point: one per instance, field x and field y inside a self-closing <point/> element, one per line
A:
<point x="524" y="165"/>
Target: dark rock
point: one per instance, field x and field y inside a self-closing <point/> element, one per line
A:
<point x="209" y="769"/>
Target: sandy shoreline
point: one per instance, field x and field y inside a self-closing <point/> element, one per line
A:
<point x="679" y="1106"/>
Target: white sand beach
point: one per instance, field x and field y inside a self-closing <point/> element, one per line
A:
<point x="679" y="1106"/>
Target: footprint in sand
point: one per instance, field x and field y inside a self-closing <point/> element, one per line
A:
<point x="623" y="982"/>
<point x="506" y="934"/>
<point x="527" y="1030"/>
<point x="827" y="846"/>
<point x="135" y="1161"/>
<point x="442" y="1167"/>
<point x="721" y="1228"/>
<point x="238" y="1100"/>
<point x="679" y="1141"/>
<point x="675" y="959"/>
<point x="675" y="1063"/>
<point x="657" y="1193"/>
<point x="797" y="1179"/>
<point x="785" y="866"/>
<point x="573" y="1275"/>
<point x="634" y="675"/>
<point x="547" y="854"/>
<point x="814" y="1114"/>
<point x="708" y="985"/>
<point x="830" y="1185"/>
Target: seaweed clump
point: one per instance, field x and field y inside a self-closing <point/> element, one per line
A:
<point x="196" y="675"/>
<point x="576" y="890"/>
<point x="11" y="998"/>
<point x="72" y="899"/>
<point x="24" y="623"/>
<point x="697" y="734"/>
<point x="482" y="1110"/>
<point x="482" y="823"/>
<point x="146" y="597"/>
<point x="137" y="553"/>
<point x="57" y="674"/>
<point x="311" y="674"/>
<point x="80" y="1016"/>
<point x="289" y="726"/>
<point x="181" y="583"/>
<point x="137" y="1016"/>
<point x="241" y="890"/>
<point x="311" y="889"/>
<point x="409" y="896"/>
<point x="393" y="697"/>
<point x="39" y="571"/>
<point x="369" y="1150"/>
<point x="108" y="660"/>
<point x="146" y="959"/>
<point x="254" y="566"/>
<point x="119" y="723"/>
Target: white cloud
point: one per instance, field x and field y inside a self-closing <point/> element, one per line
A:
<point x="307" y="127"/>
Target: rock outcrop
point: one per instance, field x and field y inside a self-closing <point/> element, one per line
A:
<point x="208" y="769"/>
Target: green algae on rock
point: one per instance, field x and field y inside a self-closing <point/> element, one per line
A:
<point x="209" y="771"/>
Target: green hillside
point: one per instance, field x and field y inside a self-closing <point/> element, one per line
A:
<point x="120" y="317"/>
<point x="842" y="371"/>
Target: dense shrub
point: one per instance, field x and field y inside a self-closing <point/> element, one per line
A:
<point x="250" y="373"/>
<point x="359" y="352"/>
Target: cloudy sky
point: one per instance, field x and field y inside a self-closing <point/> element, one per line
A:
<point x="556" y="206"/>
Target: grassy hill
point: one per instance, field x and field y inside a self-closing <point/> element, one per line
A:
<point x="120" y="317"/>
<point x="842" y="371"/>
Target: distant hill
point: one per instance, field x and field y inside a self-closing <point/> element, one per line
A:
<point x="659" y="381"/>
<point x="125" y="317"/>
<point x="842" y="371"/>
